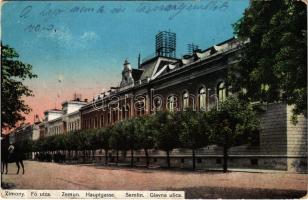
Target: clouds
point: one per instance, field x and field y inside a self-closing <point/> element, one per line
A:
<point x="89" y="36"/>
<point x="64" y="37"/>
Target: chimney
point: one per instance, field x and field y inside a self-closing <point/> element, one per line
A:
<point x="139" y="61"/>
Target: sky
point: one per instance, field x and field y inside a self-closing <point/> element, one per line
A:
<point x="80" y="46"/>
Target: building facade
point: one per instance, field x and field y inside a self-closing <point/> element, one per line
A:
<point x="198" y="81"/>
<point x="62" y="121"/>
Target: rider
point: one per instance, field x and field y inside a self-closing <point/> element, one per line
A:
<point x="11" y="147"/>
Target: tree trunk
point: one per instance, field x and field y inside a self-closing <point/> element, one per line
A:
<point x="93" y="155"/>
<point x="117" y="157"/>
<point x="131" y="157"/>
<point x="147" y="157"/>
<point x="69" y="154"/>
<point x="194" y="159"/>
<point x="84" y="156"/>
<point x="106" y="156"/>
<point x="225" y="163"/>
<point x="168" y="159"/>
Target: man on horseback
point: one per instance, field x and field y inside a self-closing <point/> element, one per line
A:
<point x="10" y="153"/>
<point x="16" y="155"/>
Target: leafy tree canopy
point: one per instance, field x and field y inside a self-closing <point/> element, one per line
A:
<point x="194" y="129"/>
<point x="273" y="65"/>
<point x="166" y="134"/>
<point x="13" y="72"/>
<point x="233" y="124"/>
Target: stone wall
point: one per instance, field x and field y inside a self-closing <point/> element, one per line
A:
<point x="273" y="137"/>
<point x="297" y="143"/>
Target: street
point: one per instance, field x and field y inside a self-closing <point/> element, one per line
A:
<point x="42" y="175"/>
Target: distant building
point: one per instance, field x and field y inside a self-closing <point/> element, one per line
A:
<point x="25" y="132"/>
<point x="62" y="121"/>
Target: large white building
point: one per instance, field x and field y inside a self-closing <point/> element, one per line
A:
<point x="61" y="121"/>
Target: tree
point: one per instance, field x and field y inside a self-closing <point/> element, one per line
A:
<point x="118" y="139"/>
<point x="233" y="124"/>
<point x="13" y="73"/>
<point x="93" y="141"/>
<point x="273" y="65"/>
<point x="103" y="139"/>
<point x="82" y="142"/>
<point x="145" y="133"/>
<point x="129" y="129"/>
<point x="166" y="134"/>
<point x="26" y="146"/>
<point x="70" y="143"/>
<point x="73" y="142"/>
<point x="194" y="131"/>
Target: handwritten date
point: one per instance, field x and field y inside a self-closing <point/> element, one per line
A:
<point x="40" y="28"/>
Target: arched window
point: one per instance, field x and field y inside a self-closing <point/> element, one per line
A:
<point x="114" y="114"/>
<point x="221" y="91"/>
<point x="202" y="99"/>
<point x="108" y="117"/>
<point x="171" y="104"/>
<point x="139" y="107"/>
<point x="102" y="120"/>
<point x="185" y="100"/>
<point x="95" y="122"/>
<point x="157" y="103"/>
<point x="125" y="112"/>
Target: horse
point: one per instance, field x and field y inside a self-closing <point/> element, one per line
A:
<point x="11" y="153"/>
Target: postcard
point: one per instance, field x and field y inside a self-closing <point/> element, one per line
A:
<point x="154" y="99"/>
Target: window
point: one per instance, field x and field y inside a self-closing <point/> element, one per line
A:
<point x="140" y="107"/>
<point x="157" y="103"/>
<point x="202" y="99"/>
<point x="222" y="91"/>
<point x="102" y="120"/>
<point x="185" y="100"/>
<point x="108" y="118"/>
<point x="171" y="103"/>
<point x="114" y="114"/>
<point x="199" y="160"/>
<point x="95" y="122"/>
<point x="125" y="112"/>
